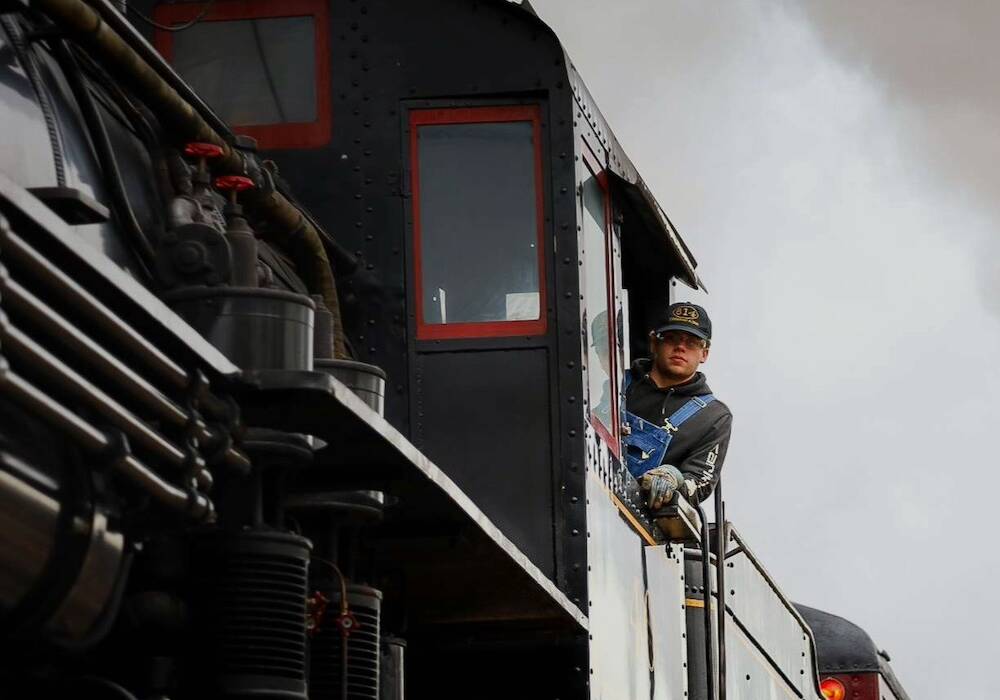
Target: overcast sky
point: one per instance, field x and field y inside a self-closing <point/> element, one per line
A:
<point x="833" y="166"/>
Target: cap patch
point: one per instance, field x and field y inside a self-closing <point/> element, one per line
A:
<point x="686" y="314"/>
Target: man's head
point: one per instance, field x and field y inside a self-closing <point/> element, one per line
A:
<point x="599" y="340"/>
<point x="679" y="342"/>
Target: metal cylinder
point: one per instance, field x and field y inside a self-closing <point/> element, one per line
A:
<point x="334" y="668"/>
<point x="255" y="328"/>
<point x="28" y="524"/>
<point x="243" y="243"/>
<point x="393" y="669"/>
<point x="253" y="601"/>
<point x="323" y="333"/>
<point x="60" y="563"/>
<point x="366" y="381"/>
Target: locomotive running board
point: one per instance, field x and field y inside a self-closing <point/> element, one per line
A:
<point x="459" y="567"/>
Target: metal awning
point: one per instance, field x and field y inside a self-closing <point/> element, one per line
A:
<point x="639" y="196"/>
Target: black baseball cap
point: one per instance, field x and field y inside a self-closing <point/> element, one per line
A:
<point x="686" y="317"/>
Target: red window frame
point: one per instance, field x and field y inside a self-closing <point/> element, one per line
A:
<point x="599" y="172"/>
<point x="269" y="136"/>
<point x="477" y="115"/>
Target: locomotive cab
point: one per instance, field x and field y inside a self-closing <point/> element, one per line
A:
<point x="498" y="244"/>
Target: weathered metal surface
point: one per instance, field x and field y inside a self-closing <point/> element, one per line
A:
<point x="759" y="618"/>
<point x="760" y="609"/>
<point x="28" y="157"/>
<point x="891" y="691"/>
<point x="463" y="567"/>
<point x="619" y="645"/>
<point x="749" y="675"/>
<point x="92" y="265"/>
<point x="464" y="432"/>
<point x="845" y="648"/>
<point x="667" y="626"/>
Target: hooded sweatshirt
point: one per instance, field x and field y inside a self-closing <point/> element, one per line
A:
<point x="699" y="446"/>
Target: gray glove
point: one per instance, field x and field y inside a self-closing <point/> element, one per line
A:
<point x="661" y="483"/>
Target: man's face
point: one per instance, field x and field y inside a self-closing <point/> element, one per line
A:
<point x="677" y="354"/>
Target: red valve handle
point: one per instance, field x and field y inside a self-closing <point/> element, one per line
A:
<point x="233" y="183"/>
<point x="315" y="611"/>
<point x="202" y="150"/>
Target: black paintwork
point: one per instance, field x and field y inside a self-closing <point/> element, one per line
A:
<point x="358" y="188"/>
<point x="843" y="647"/>
<point x="386" y="59"/>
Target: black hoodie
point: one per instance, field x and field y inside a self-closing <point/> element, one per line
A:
<point x="699" y="446"/>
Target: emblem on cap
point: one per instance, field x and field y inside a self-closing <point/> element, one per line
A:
<point x="686" y="314"/>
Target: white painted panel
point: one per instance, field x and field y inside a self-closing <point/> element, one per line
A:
<point x="619" y="643"/>
<point x="665" y="583"/>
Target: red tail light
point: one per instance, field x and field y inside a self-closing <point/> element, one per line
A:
<point x="833" y="689"/>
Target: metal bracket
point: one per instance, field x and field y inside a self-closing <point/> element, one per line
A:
<point x="679" y="521"/>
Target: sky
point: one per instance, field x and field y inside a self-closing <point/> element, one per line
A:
<point x="833" y="167"/>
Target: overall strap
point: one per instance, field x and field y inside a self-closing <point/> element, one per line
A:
<point x="687" y="411"/>
<point x="646" y="443"/>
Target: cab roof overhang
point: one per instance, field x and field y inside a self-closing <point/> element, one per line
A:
<point x="655" y="227"/>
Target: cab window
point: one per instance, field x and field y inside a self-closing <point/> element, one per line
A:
<point x="601" y="319"/>
<point x="477" y="222"/>
<point x="262" y="66"/>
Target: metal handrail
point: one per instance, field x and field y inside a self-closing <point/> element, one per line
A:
<point x="706" y="578"/>
<point x="190" y="503"/>
<point x="70" y="292"/>
<point x="18" y="344"/>
<point x="721" y="538"/>
<point x="111" y="368"/>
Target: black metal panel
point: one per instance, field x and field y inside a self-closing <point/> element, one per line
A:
<point x="384" y="52"/>
<point x="843" y="647"/>
<point x="488" y="666"/>
<point x="454" y="565"/>
<point x="477" y="421"/>
<point x="387" y="56"/>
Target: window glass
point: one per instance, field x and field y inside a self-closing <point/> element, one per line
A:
<point x="478" y="225"/>
<point x="253" y="71"/>
<point x="599" y="336"/>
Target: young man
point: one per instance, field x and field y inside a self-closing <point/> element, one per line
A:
<point x="678" y="432"/>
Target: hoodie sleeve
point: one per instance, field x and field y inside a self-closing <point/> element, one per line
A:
<point x="702" y="467"/>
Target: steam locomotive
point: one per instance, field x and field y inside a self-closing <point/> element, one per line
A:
<point x="313" y="318"/>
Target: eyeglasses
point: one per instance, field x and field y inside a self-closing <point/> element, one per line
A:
<point x="686" y="340"/>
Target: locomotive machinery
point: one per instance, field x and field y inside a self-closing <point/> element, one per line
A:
<point x="313" y="316"/>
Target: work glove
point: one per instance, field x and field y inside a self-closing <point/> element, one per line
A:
<point x="661" y="483"/>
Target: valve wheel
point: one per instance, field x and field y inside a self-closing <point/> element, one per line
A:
<point x="198" y="149"/>
<point x="233" y="183"/>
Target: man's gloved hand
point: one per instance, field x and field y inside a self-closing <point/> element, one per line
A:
<point x="661" y="482"/>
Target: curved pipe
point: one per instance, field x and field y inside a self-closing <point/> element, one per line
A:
<point x="117" y="21"/>
<point x="101" y="33"/>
